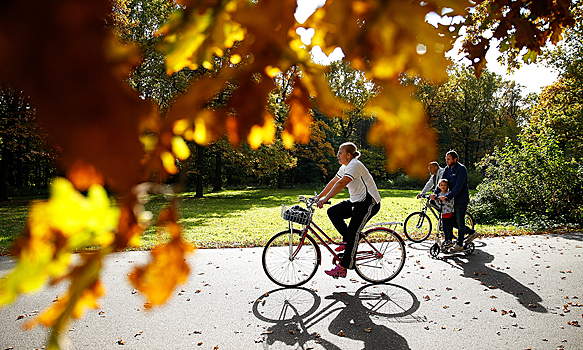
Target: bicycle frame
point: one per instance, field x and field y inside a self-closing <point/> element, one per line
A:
<point x="427" y="206"/>
<point x="311" y="227"/>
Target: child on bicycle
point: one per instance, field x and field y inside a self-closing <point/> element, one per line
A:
<point x="364" y="203"/>
<point x="447" y="218"/>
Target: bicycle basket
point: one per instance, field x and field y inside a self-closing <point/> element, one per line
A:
<point x="296" y="214"/>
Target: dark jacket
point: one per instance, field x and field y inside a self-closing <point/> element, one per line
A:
<point x="458" y="182"/>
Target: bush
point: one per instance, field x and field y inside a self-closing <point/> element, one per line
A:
<point x="405" y="182"/>
<point x="531" y="182"/>
<point x="474" y="178"/>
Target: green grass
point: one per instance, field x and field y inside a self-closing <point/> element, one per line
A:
<point x="244" y="218"/>
<point x="248" y="218"/>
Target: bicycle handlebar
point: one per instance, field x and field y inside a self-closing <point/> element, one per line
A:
<point x="310" y="201"/>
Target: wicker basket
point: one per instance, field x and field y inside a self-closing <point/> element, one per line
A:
<point x="296" y="214"/>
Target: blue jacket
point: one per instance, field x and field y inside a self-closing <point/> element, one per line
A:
<point x="458" y="182"/>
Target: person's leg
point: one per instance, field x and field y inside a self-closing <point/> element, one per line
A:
<point x="447" y="228"/>
<point x="338" y="213"/>
<point x="362" y="212"/>
<point x="460" y="214"/>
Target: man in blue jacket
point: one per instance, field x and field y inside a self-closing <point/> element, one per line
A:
<point x="457" y="175"/>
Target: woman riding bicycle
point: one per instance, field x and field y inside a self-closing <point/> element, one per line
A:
<point x="364" y="203"/>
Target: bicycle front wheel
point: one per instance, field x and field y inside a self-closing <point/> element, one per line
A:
<point x="380" y="255"/>
<point x="417" y="226"/>
<point x="290" y="259"/>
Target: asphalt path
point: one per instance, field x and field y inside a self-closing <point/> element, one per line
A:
<point x="512" y="293"/>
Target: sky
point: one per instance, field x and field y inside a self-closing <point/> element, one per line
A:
<point x="532" y="77"/>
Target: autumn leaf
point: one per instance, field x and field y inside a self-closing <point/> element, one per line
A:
<point x="81" y="102"/>
<point x="168" y="267"/>
<point x="66" y="222"/>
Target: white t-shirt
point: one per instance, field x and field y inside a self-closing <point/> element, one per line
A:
<point x="362" y="182"/>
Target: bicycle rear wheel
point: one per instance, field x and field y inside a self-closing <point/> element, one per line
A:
<point x="417" y="226"/>
<point x="380" y="255"/>
<point x="290" y="260"/>
<point x="469" y="221"/>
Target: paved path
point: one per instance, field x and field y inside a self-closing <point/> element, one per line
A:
<point x="512" y="293"/>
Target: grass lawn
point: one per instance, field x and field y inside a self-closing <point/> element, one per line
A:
<point x="243" y="218"/>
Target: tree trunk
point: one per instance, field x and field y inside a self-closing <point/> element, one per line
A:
<point x="280" y="179"/>
<point x="218" y="165"/>
<point x="199" y="159"/>
<point x="3" y="171"/>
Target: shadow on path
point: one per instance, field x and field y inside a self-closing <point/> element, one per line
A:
<point x="295" y="310"/>
<point x="476" y="267"/>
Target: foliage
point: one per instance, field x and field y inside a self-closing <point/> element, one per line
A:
<point x="108" y="135"/>
<point x="531" y="181"/>
<point x="559" y="111"/>
<point x="472" y="115"/>
<point x="350" y="86"/>
<point x="521" y="28"/>
<point x="25" y="158"/>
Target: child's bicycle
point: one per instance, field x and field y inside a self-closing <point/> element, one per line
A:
<point x="440" y="246"/>
<point x="291" y="257"/>
<point x="418" y="226"/>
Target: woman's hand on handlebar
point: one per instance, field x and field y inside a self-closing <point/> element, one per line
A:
<point x="323" y="201"/>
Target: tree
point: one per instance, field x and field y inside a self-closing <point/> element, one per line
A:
<point x="472" y="115"/>
<point x="559" y="111"/>
<point x="25" y="158"/>
<point x="350" y="86"/>
<point x="74" y="70"/>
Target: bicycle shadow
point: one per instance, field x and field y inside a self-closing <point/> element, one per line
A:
<point x="293" y="312"/>
<point x="476" y="267"/>
<point x="354" y="321"/>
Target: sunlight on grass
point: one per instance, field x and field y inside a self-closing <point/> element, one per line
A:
<point x="248" y="218"/>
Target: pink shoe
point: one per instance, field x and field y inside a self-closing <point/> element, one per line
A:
<point x="336" y="272"/>
<point x="341" y="247"/>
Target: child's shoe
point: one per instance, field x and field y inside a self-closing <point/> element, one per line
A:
<point x="341" y="247"/>
<point x="336" y="272"/>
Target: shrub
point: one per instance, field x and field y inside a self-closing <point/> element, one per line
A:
<point x="405" y="182"/>
<point x="531" y="181"/>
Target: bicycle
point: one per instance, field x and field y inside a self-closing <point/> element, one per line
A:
<point x="418" y="225"/>
<point x="291" y="257"/>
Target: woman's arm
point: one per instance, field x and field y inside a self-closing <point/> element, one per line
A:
<point x="328" y="187"/>
<point x="334" y="187"/>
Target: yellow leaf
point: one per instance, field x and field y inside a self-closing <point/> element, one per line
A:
<point x="169" y="162"/>
<point x="262" y="134"/>
<point x="179" y="148"/>
<point x="167" y="269"/>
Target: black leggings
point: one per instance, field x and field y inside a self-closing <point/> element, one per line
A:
<point x="360" y="213"/>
